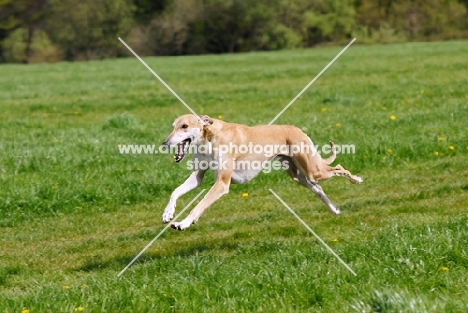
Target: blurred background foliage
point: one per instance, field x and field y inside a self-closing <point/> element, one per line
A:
<point x="56" y="30"/>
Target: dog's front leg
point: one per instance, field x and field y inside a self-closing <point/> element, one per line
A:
<point x="220" y="188"/>
<point x="193" y="181"/>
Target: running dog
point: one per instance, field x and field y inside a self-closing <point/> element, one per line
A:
<point x="304" y="167"/>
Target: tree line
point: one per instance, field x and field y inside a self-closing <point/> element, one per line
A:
<point x="55" y="30"/>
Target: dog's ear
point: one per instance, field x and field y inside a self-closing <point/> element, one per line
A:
<point x="206" y="120"/>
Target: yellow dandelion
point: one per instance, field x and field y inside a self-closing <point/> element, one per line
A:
<point x="335" y="240"/>
<point x="444" y="268"/>
<point x="436" y="153"/>
<point x="441" y="138"/>
<point x="245" y="194"/>
<point x="389" y="150"/>
<point x="324" y="109"/>
<point x="79" y="309"/>
<point x="451" y="147"/>
<point x="338" y="124"/>
<point x="220" y="117"/>
<point x="66" y="287"/>
<point x="84" y="286"/>
<point x="392" y="117"/>
<point x="56" y="140"/>
<point x="25" y="311"/>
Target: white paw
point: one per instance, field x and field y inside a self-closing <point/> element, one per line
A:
<point x="334" y="210"/>
<point x="168" y="214"/>
<point x="180" y="225"/>
<point x="358" y="180"/>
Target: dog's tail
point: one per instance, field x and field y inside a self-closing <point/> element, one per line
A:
<point x="332" y="157"/>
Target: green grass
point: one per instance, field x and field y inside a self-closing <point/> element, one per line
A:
<point x="74" y="211"/>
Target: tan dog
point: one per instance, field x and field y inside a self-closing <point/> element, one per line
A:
<point x="232" y="150"/>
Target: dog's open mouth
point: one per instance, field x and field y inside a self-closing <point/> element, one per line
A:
<point x="182" y="149"/>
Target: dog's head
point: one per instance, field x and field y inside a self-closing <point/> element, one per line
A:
<point x="187" y="130"/>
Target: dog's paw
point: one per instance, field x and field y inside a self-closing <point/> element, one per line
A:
<point x="358" y="180"/>
<point x="180" y="225"/>
<point x="334" y="210"/>
<point x="167" y="216"/>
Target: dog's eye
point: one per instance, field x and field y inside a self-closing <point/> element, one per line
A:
<point x="184" y="126"/>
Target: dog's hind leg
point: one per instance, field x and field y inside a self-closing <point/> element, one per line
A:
<point x="192" y="182"/>
<point x="317" y="169"/>
<point x="340" y="171"/>
<point x="301" y="179"/>
<point x="322" y="196"/>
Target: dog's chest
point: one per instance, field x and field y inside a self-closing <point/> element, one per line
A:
<point x="243" y="176"/>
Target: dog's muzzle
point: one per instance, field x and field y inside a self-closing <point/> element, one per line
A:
<point x="182" y="148"/>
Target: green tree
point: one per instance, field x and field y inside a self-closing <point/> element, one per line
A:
<point x="400" y="20"/>
<point x="330" y="20"/>
<point x="169" y="32"/>
<point x="145" y="10"/>
<point x="26" y="14"/>
<point x="42" y="49"/>
<point x="89" y="29"/>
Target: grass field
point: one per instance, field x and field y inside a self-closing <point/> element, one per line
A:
<point x="74" y="211"/>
